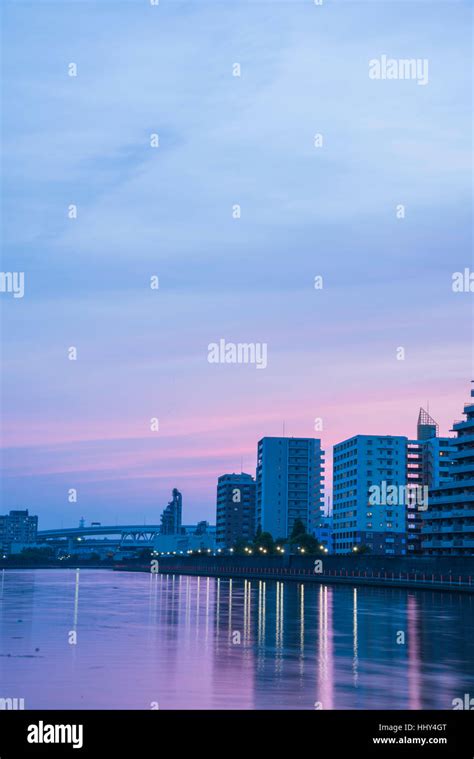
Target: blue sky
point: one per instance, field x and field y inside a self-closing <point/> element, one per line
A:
<point x="167" y="211"/>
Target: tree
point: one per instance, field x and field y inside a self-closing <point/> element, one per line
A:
<point x="310" y="544"/>
<point x="239" y="547"/>
<point x="35" y="555"/>
<point x="144" y="554"/>
<point x="361" y="549"/>
<point x="264" y="541"/>
<point x="302" y="541"/>
<point x="298" y="529"/>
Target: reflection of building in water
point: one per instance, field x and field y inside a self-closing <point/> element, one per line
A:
<point x="279" y="631"/>
<point x="325" y="686"/>
<point x="434" y="620"/>
<point x="328" y="647"/>
<point x="355" y="638"/>
<point x="234" y="610"/>
<point x="414" y="663"/>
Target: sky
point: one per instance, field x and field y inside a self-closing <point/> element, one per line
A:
<point x="169" y="211"/>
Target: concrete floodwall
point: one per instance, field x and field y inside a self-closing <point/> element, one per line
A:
<point x="440" y="573"/>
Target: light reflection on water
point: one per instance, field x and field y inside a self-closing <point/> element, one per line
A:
<point x="198" y="642"/>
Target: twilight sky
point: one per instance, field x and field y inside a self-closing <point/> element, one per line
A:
<point x="167" y="211"/>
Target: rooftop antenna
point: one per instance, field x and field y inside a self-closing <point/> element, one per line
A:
<point x="241" y="464"/>
<point x="283" y="429"/>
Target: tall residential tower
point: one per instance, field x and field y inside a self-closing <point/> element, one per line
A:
<point x="290" y="484"/>
<point x="235" y="509"/>
<point x="448" y="524"/>
<point x="360" y="463"/>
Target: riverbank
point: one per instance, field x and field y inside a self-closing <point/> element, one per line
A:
<point x="451" y="574"/>
<point x="447" y="574"/>
<point x="56" y="565"/>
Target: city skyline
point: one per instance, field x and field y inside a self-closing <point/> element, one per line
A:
<point x="327" y="483"/>
<point x="167" y="212"/>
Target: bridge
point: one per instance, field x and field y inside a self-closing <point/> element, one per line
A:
<point x="127" y="535"/>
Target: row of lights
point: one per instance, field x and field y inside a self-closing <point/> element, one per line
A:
<point x="247" y="550"/>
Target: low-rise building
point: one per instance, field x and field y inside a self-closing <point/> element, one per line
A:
<point x="17" y="527"/>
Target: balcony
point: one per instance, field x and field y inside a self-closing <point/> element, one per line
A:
<point x="459" y="497"/>
<point x="460" y="424"/>
<point x="460" y="468"/>
<point x="447" y="514"/>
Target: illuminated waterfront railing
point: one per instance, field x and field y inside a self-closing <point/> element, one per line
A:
<point x="366" y="577"/>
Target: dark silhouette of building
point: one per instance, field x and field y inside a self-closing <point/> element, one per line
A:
<point x="235" y="511"/>
<point x="17" y="527"/>
<point x="172" y="515"/>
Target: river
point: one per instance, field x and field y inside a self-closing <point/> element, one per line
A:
<point x="98" y="639"/>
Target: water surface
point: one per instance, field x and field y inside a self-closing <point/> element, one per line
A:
<point x="145" y="641"/>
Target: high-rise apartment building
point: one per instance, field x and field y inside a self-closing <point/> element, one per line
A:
<point x="290" y="484"/>
<point x="429" y="460"/>
<point x="373" y="518"/>
<point x="235" y="509"/>
<point x="381" y="488"/>
<point x="448" y="523"/>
